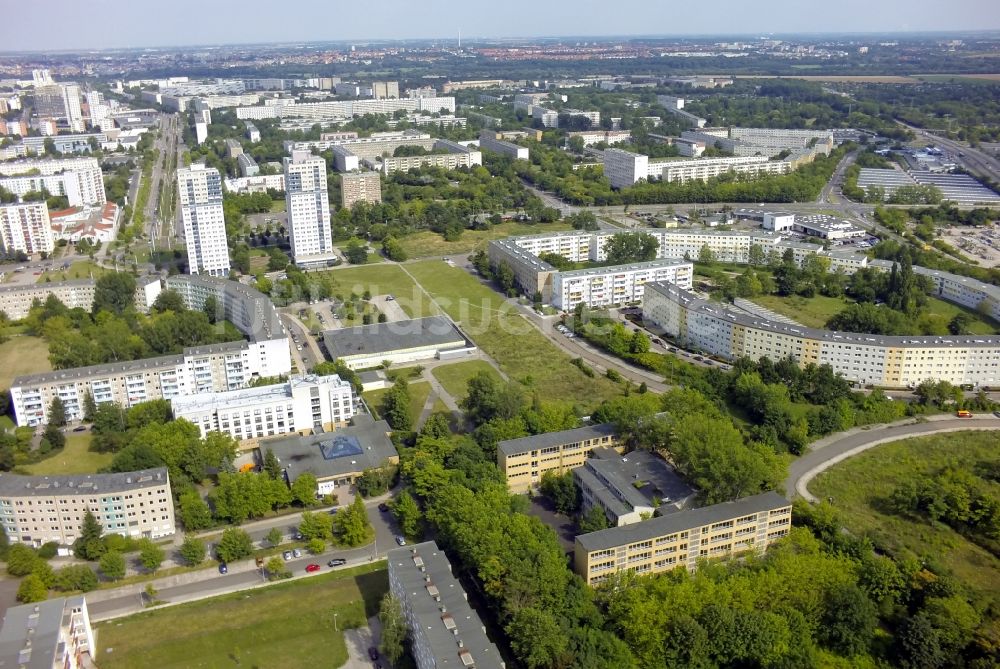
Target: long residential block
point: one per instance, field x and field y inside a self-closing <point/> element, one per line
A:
<point x="52" y="634"/>
<point x="681" y="539"/>
<point x="39" y="509"/>
<point x="523" y="461"/>
<point x="79" y="179"/>
<point x="445" y="631"/>
<point x="886" y="361"/>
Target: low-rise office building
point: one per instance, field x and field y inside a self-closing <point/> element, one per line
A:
<point x="630" y="488"/>
<point x="302" y="404"/>
<point x="827" y="227"/>
<point x="38" y="509"/>
<point x="336" y="458"/>
<point x="877" y="360"/>
<point x="525" y="460"/>
<point x="54" y="634"/>
<point x="681" y="539"/>
<point x="368" y="346"/>
<point x="444" y="630"/>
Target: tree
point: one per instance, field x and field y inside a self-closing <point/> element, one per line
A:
<point x="75" y="577"/>
<point x="407" y="514"/>
<point x="393" y="249"/>
<point x="193" y="512"/>
<point x="705" y="255"/>
<point x="315" y="546"/>
<point x="211" y="309"/>
<point x="112" y="565"/>
<point x="316" y="526"/>
<point x="959" y="325"/>
<point x="849" y="622"/>
<point x="57" y="413"/>
<point x="353" y="525"/>
<point x="235" y="544"/>
<point x="374" y="481"/>
<point x="276" y="569"/>
<point x="630" y="247"/>
<point x="114" y="292"/>
<point x="32" y="589"/>
<point x="304" y="489"/>
<point x="169" y="300"/>
<point x="192" y="551"/>
<point x="356" y="252"/>
<point x="88" y="546"/>
<point x="536" y="637"/>
<point x="592" y="520"/>
<point x="272" y="466"/>
<point x="562" y="490"/>
<point x="274" y="536"/>
<point x="396" y="406"/>
<point x="919" y="644"/>
<point x="21" y="560"/>
<point x="89" y="407"/>
<point x="150" y="555"/>
<point x="394" y="629"/>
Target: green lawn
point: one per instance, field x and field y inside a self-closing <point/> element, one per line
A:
<point x="22" y="355"/>
<point x="455" y="377"/>
<point x="75" y="458"/>
<point x="429" y="244"/>
<point x="419" y="392"/>
<point x="81" y="269"/>
<point x="812" y="312"/>
<point x="946" y="311"/>
<point x="522" y="352"/>
<point x="285" y="625"/>
<point x="383" y="280"/>
<point x="277" y="206"/>
<point x="859" y="486"/>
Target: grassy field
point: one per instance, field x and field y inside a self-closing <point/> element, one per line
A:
<point x="286" y="625"/>
<point x="22" y="355"/>
<point x="75" y="458"/>
<point x="812" y="312"/>
<point x="277" y="206"/>
<point x="81" y="269"/>
<point x="946" y="310"/>
<point x="429" y="244"/>
<point x="861" y="484"/>
<point x="522" y="352"/>
<point x="384" y="280"/>
<point x="455" y="377"/>
<point x="419" y="392"/>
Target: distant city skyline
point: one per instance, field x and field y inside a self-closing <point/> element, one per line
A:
<point x="103" y="24"/>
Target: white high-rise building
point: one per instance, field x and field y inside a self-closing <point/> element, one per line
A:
<point x="200" y="191"/>
<point x="79" y="179"/>
<point x="74" y="112"/>
<point x="25" y="227"/>
<point x="308" y="205"/>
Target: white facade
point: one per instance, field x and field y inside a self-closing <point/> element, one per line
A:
<point x="74" y="112"/>
<point x="619" y="285"/>
<point x="706" y="168"/>
<point x="779" y="222"/>
<point x="256" y="184"/>
<point x="200" y="131"/>
<point x="326" y="111"/>
<point x="25" y="227"/>
<point x="200" y="191"/>
<point x="488" y="141"/>
<point x="308" y="205"/>
<point x="299" y="405"/>
<point x="54" y="633"/>
<point x="79" y="179"/>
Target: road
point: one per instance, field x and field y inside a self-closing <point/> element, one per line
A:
<point x="829" y="451"/>
<point x="107" y="604"/>
<point x="974" y="160"/>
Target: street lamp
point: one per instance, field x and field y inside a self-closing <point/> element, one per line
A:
<point x="335" y="614"/>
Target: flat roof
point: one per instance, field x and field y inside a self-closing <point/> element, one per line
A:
<point x="13" y="485"/>
<point x="393" y="336"/>
<point x="365" y="444"/>
<point x="546" y="439"/>
<point x="30" y="635"/>
<point x="630" y="267"/>
<point x="106" y="369"/>
<point x="453" y="631"/>
<point x="680" y="521"/>
<point x="639" y="477"/>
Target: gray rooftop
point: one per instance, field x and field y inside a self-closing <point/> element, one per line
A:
<point x="612" y="478"/>
<point x="393" y="336"/>
<point x="696" y="304"/>
<point x="546" y="439"/>
<point x="40" y="624"/>
<point x="365" y="444"/>
<point x="49" y="287"/>
<point x="438" y="601"/>
<point x="12" y="485"/>
<point x="679" y="522"/>
<point x="107" y="369"/>
<point x="628" y="267"/>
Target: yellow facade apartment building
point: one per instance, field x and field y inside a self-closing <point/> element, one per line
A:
<point x="524" y="460"/>
<point x="682" y="538"/>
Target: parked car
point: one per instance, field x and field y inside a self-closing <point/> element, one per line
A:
<point x="400" y="541"/>
<point x="336" y="562"/>
<point x="79" y="428"/>
<point x="383" y="507"/>
<point x="296" y="553"/>
<point x="287" y="555"/>
<point x="312" y="567"/>
<point x="373" y="653"/>
<point x="963" y="413"/>
<point x="223" y="569"/>
<point x="298" y="536"/>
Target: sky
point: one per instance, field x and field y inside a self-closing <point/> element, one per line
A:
<point x="141" y="23"/>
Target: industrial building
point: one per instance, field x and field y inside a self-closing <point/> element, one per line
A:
<point x="368" y="346"/>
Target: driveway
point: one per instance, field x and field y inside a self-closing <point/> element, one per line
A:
<point x="359" y="641"/>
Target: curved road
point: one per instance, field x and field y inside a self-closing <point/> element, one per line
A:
<point x="829" y="451"/>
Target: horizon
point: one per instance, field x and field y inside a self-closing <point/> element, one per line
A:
<point x="192" y="24"/>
